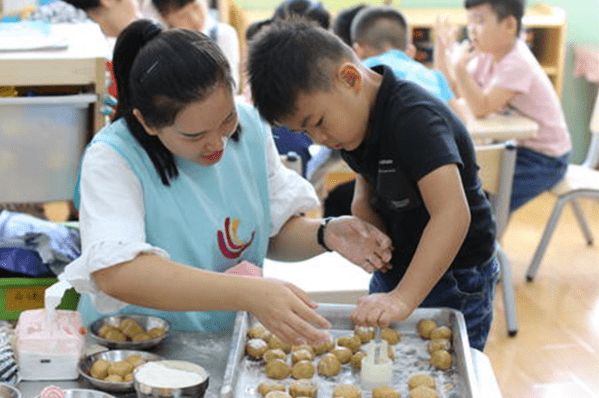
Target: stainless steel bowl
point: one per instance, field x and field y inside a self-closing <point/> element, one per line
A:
<point x="86" y="362"/>
<point x="81" y="393"/>
<point x="147" y="387"/>
<point x="145" y="321"/>
<point x="9" y="391"/>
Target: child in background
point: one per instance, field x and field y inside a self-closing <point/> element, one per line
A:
<point x="417" y="175"/>
<point x="496" y="71"/>
<point x="112" y="16"/>
<point x="343" y="20"/>
<point x="194" y="15"/>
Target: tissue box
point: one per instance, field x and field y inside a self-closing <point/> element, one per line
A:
<point x="49" y="350"/>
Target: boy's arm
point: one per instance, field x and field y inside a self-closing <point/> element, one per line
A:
<point x="442" y="237"/>
<point x="360" y="205"/>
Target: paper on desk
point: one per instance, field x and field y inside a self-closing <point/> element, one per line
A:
<point x="29" y="36"/>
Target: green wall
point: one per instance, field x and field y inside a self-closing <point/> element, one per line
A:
<point x="583" y="26"/>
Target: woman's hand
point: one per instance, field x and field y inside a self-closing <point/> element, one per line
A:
<point x="380" y="310"/>
<point x="359" y="242"/>
<point x="288" y="312"/>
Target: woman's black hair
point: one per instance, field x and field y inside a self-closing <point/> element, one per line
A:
<point x="159" y="73"/>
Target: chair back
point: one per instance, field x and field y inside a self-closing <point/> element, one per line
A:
<point x="497" y="163"/>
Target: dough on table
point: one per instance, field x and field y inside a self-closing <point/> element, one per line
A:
<point x="329" y="365"/>
<point x="343" y="354"/>
<point x="303" y="388"/>
<point x="441" y="359"/>
<point x="385" y="392"/>
<point x="421" y="379"/>
<point x="277" y="369"/>
<point x="392" y="336"/>
<point x="142" y="336"/>
<point x="105" y="329"/>
<point x="324" y="347"/>
<point x="267" y="386"/>
<point x="303" y="370"/>
<point x="256" y="348"/>
<point x="258" y="332"/>
<point x="99" y="369"/>
<point x="390" y="352"/>
<point x="301" y="355"/>
<point x="120" y="368"/>
<point x="306" y="347"/>
<point x="135" y="360"/>
<point x="277" y="394"/>
<point x="425" y="326"/>
<point x="441" y="332"/>
<point x="113" y="379"/>
<point x="275" y="342"/>
<point x="276" y="353"/>
<point x="423" y="392"/>
<point x="353" y="342"/>
<point x="365" y="333"/>
<point x="128" y="377"/>
<point x="156" y="332"/>
<point x="438" y="344"/>
<point x="356" y="359"/>
<point x="129" y="327"/>
<point x="115" y="335"/>
<point x="347" y="391"/>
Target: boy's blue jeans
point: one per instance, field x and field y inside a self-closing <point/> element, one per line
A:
<point x="470" y="291"/>
<point x="535" y="173"/>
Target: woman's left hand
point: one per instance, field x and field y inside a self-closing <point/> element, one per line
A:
<point x="359" y="242"/>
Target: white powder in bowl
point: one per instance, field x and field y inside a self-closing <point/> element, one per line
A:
<point x="170" y="374"/>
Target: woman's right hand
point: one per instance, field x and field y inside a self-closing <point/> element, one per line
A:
<point x="287" y="311"/>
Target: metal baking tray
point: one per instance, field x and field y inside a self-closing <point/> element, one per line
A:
<point x="243" y="375"/>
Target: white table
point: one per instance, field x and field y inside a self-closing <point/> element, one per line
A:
<point x="502" y="127"/>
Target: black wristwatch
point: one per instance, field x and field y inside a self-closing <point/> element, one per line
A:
<point x="320" y="233"/>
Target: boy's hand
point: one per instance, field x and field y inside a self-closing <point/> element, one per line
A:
<point x="380" y="310"/>
<point x="359" y="242"/>
<point x="288" y="312"/>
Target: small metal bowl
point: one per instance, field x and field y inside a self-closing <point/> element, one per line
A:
<point x="81" y="393"/>
<point x="9" y="391"/>
<point x="86" y="362"/>
<point x="152" y="388"/>
<point x="145" y="321"/>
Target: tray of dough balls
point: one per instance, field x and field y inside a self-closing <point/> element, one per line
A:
<point x="428" y="356"/>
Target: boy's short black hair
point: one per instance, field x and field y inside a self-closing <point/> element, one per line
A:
<point x="343" y="20"/>
<point x="311" y="9"/>
<point x="166" y="6"/>
<point x="84" y="5"/>
<point x="380" y="26"/>
<point x="290" y="57"/>
<point x="502" y="8"/>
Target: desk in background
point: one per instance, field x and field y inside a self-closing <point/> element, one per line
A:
<point x="501" y="127"/>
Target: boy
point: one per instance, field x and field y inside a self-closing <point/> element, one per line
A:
<point x="417" y="173"/>
<point x="113" y="16"/>
<point x="497" y="71"/>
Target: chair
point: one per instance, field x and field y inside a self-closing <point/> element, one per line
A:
<point x="580" y="181"/>
<point x="497" y="163"/>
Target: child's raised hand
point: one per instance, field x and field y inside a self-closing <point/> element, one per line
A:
<point x="287" y="311"/>
<point x="380" y="309"/>
<point x="359" y="242"/>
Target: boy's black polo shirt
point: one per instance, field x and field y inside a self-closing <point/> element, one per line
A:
<point x="411" y="134"/>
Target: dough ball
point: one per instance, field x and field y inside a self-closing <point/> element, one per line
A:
<point x="258" y="332"/>
<point x="256" y="348"/>
<point x="423" y="392"/>
<point x="115" y="335"/>
<point x="120" y="368"/>
<point x="302" y="370"/>
<point x="99" y="369"/>
<point x="421" y="379"/>
<point x="128" y="377"/>
<point x="392" y="336"/>
<point x="329" y="365"/>
<point x="301" y="355"/>
<point x="135" y="360"/>
<point x="303" y="388"/>
<point x="277" y="369"/>
<point x="441" y="359"/>
<point x="352" y="342"/>
<point x="156" y="332"/>
<point x="438" y="344"/>
<point x="105" y="329"/>
<point x="113" y="379"/>
<point x="356" y="359"/>
<point x="277" y="353"/>
<point x="441" y="332"/>
<point x="390" y="352"/>
<point x="267" y="386"/>
<point x="343" y="354"/>
<point x="425" y="326"/>
<point x="307" y="347"/>
<point x="347" y="391"/>
<point x="143" y="336"/>
<point x="365" y="333"/>
<point x="275" y="342"/>
<point x="324" y="347"/>
<point x="277" y="394"/>
<point x="385" y="392"/>
<point x="130" y="327"/>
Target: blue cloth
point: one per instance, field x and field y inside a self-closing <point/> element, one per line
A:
<point x="287" y="141"/>
<point x="468" y="290"/>
<point x="535" y="173"/>
<point x="406" y="68"/>
<point x="210" y="217"/>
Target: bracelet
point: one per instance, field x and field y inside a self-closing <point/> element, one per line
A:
<point x="320" y="233"/>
